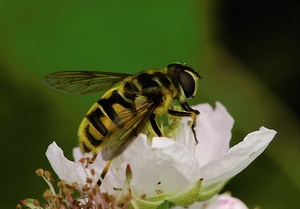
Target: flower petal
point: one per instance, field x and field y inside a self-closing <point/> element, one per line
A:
<point x="165" y="167"/>
<point x="66" y="169"/>
<point x="237" y="158"/>
<point x="213" y="131"/>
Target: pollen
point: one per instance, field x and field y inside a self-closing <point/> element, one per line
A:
<point x="158" y="191"/>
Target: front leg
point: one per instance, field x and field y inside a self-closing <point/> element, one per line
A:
<point x="187" y="107"/>
<point x="193" y="114"/>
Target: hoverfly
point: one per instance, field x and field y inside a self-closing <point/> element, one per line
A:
<point x="116" y="119"/>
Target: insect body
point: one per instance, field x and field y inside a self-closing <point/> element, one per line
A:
<point x="115" y="120"/>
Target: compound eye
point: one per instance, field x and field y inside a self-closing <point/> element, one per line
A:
<point x="187" y="83"/>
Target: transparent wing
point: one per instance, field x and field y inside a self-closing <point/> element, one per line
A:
<point x="119" y="139"/>
<point x="83" y="82"/>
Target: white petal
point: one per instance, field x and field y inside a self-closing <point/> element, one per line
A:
<point x="66" y="169"/>
<point x="77" y="154"/>
<point x="213" y="131"/>
<point x="165" y="167"/>
<point x="237" y="158"/>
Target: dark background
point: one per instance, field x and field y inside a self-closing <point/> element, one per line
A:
<point x="247" y="52"/>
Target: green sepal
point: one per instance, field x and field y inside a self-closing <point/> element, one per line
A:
<point x="165" y="205"/>
<point x="184" y="198"/>
<point x="187" y="197"/>
<point x="207" y="192"/>
<point x="146" y="204"/>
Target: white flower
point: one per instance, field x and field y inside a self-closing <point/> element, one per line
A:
<point x="176" y="169"/>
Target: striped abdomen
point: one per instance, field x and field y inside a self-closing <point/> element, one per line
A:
<point x="100" y="119"/>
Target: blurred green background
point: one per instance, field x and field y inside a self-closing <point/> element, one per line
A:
<point x="247" y="53"/>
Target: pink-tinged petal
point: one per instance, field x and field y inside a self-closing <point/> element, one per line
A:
<point x="213" y="131"/>
<point x="164" y="167"/>
<point x="196" y="205"/>
<point x="237" y="158"/>
<point x="226" y="201"/>
<point x="223" y="201"/>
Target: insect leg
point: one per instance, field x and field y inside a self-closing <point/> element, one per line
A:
<point x="192" y="114"/>
<point x="104" y="172"/>
<point x="154" y="125"/>
<point x="187" y="107"/>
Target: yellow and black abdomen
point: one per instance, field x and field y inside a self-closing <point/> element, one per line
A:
<point x="102" y="118"/>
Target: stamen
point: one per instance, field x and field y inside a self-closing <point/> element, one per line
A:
<point x="89" y="180"/>
<point x="39" y="172"/>
<point x="19" y="206"/>
<point x="85" y="188"/>
<point x="93" y="172"/>
<point x="47" y="194"/>
<point x="47" y="174"/>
